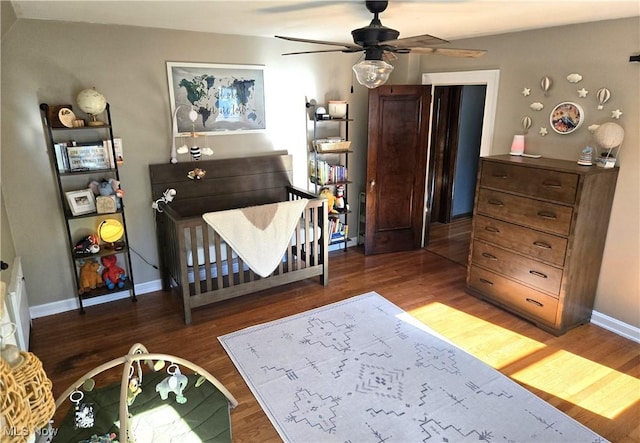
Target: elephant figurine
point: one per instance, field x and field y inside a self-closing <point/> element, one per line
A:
<point x="176" y="383"/>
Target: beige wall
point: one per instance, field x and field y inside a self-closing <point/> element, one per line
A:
<point x="51" y="62"/>
<point x="600" y="53"/>
<point x="7" y="250"/>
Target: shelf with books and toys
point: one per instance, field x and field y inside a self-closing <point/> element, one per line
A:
<point x="329" y="150"/>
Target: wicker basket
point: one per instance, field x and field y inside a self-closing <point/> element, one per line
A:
<point x="17" y="421"/>
<point x="37" y="386"/>
<point x="332" y="146"/>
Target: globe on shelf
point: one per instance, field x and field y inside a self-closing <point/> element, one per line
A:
<point x="93" y="103"/>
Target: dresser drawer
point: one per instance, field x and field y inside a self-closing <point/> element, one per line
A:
<point x="541" y="183"/>
<point x="536" y="244"/>
<point x="513" y="295"/>
<point x="536" y="214"/>
<point x="531" y="272"/>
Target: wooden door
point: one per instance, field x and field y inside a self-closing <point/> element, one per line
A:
<point x="396" y="167"/>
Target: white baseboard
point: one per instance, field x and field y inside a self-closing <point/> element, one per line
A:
<point x="71" y="304"/>
<point x="616" y="326"/>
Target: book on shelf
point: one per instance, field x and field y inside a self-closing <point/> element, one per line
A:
<point x="117" y="142"/>
<point x="337" y="229"/>
<point x="62" y="161"/>
<point x="326" y="173"/>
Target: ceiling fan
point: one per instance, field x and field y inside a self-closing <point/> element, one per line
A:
<point x="379" y="42"/>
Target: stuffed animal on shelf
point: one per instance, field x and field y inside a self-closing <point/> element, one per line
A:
<point x="340" y="204"/>
<point x="89" y="276"/>
<point x="331" y="199"/>
<point x="113" y="275"/>
<point x="106" y="188"/>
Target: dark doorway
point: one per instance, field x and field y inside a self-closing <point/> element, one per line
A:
<point x="456" y="132"/>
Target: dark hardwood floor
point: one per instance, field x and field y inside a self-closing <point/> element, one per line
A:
<point x="451" y="240"/>
<point x="589" y="373"/>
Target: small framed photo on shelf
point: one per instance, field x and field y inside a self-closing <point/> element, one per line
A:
<point x="81" y="202"/>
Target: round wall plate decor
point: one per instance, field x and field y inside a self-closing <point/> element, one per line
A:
<point x="566" y="117"/>
<point x="66" y="117"/>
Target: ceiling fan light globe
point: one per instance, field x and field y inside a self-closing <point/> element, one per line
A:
<point x="372" y="73"/>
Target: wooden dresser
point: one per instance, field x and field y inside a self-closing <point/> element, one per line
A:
<point x="539" y="229"/>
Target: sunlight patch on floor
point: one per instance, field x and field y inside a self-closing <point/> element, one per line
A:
<point x="163" y="423"/>
<point x="563" y="374"/>
<point x="493" y="344"/>
<point x="590" y="385"/>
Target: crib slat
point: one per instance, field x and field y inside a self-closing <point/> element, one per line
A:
<point x="196" y="262"/>
<point x="207" y="256"/>
<point x="230" y="265"/>
<point x="307" y="231"/>
<point x="218" y="249"/>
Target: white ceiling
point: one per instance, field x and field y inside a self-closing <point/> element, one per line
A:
<point x="331" y="20"/>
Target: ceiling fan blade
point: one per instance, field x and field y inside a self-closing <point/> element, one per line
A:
<point x="415" y="41"/>
<point x="389" y="56"/>
<point x="295" y="7"/>
<point x="321" y="42"/>
<point x="324" y="50"/>
<point x="451" y="52"/>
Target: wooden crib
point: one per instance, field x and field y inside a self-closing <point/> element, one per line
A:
<point x="193" y="257"/>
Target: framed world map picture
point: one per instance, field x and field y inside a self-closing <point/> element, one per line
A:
<point x="226" y="98"/>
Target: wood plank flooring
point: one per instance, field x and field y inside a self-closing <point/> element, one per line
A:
<point x="451" y="240"/>
<point x="589" y="373"/>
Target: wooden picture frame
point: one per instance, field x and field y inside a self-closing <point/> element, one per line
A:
<point x="81" y="202"/>
<point x="229" y="99"/>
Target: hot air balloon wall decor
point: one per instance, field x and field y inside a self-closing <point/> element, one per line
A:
<point x="607" y="137"/>
<point x="545" y="84"/>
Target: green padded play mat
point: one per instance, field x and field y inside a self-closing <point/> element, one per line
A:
<point x="195" y="410"/>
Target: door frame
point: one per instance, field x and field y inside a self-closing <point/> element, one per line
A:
<point x="488" y="77"/>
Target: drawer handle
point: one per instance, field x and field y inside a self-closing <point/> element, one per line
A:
<point x="548" y="215"/>
<point x="534" y="302"/>
<point x="552" y="184"/>
<point x="495" y="202"/>
<point x="491" y="229"/>
<point x="489" y="256"/>
<point x="499" y="175"/>
<point x="542" y="244"/>
<point x="486" y="282"/>
<point x="538" y="274"/>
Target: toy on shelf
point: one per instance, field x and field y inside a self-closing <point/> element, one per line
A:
<point x="88" y="245"/>
<point x="340" y="204"/>
<point x="113" y="275"/>
<point x="89" y="276"/>
<point x="108" y="188"/>
<point x="331" y="199"/>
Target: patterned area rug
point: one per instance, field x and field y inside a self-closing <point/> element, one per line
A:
<point x="363" y="370"/>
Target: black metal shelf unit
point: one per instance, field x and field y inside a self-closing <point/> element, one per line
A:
<point x="76" y="225"/>
<point x="334" y="159"/>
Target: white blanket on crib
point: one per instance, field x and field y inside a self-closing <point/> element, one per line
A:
<point x="260" y="235"/>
